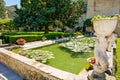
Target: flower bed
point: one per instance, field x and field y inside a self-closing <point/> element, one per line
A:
<point x="38" y="55"/>
<point x="80" y="45"/>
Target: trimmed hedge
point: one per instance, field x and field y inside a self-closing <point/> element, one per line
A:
<point x="21" y="33"/>
<point x="118" y="59"/>
<point x="28" y="38"/>
<point x="31" y="36"/>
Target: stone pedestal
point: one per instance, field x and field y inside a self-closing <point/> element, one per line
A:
<point x="104" y="29"/>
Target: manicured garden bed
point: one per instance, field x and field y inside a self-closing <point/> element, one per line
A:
<point x="65" y="59"/>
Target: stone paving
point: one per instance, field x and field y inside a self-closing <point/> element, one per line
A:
<point x="36" y="44"/>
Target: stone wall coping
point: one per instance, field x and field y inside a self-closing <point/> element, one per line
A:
<point x="47" y="70"/>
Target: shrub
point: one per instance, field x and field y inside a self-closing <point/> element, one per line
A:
<point x="28" y="38"/>
<point x="6" y="23"/>
<point x="39" y="55"/>
<point x="80" y="45"/>
<point x="21" y="33"/>
<point x="118" y="59"/>
<point x="11" y="37"/>
<point x="88" y="22"/>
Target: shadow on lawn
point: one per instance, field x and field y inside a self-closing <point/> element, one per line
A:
<point x="76" y="54"/>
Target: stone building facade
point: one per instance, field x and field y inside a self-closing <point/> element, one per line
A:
<point x="102" y="7"/>
<point x="10" y="11"/>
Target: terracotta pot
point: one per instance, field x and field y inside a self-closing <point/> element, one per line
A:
<point x="20" y="41"/>
<point x="105" y="26"/>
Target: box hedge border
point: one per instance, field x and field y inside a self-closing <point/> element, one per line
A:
<point x="10" y="38"/>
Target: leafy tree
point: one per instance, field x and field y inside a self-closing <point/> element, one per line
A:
<point x="2" y="9"/>
<point x="6" y="23"/>
<point x="43" y="13"/>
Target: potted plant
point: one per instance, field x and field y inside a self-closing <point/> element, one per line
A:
<point x="104" y="25"/>
<point x="21" y="41"/>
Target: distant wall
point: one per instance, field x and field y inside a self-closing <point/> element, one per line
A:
<point x="117" y="30"/>
<point x="10" y="10"/>
<point x="103" y="7"/>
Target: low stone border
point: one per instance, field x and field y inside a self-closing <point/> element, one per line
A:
<point x="33" y="70"/>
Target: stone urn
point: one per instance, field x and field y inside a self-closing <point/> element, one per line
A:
<point x="105" y="26"/>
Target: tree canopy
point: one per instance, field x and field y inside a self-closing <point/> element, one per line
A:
<point x="43" y="13"/>
<point x="2" y="9"/>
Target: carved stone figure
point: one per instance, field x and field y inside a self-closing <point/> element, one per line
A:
<point x="111" y="40"/>
<point x="101" y="64"/>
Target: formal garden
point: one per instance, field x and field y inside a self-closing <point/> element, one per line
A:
<point x="45" y="41"/>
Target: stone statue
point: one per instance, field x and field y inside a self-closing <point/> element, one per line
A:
<point x="111" y="40"/>
<point x="101" y="64"/>
<point x="101" y="59"/>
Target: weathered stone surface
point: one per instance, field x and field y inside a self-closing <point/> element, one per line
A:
<point x="33" y="70"/>
<point x="103" y="7"/>
<point x="117" y="30"/>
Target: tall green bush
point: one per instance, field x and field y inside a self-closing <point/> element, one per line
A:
<point x="6" y="24"/>
<point x="2" y="9"/>
<point x="118" y="59"/>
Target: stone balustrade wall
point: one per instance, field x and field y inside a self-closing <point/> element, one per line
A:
<point x="33" y="70"/>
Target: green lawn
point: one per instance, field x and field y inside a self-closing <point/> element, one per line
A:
<point x="118" y="59"/>
<point x="67" y="60"/>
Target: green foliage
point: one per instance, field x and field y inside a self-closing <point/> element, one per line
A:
<point x="28" y="38"/>
<point x="39" y="55"/>
<point x="80" y="45"/>
<point x="67" y="60"/>
<point x="6" y="23"/>
<point x="44" y="13"/>
<point x="64" y="59"/>
<point x="11" y="37"/>
<point x="98" y="17"/>
<point x="2" y="9"/>
<point x="21" y="33"/>
<point x="88" y="22"/>
<point x="118" y="59"/>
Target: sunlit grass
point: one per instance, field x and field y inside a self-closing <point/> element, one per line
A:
<point x="67" y="60"/>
